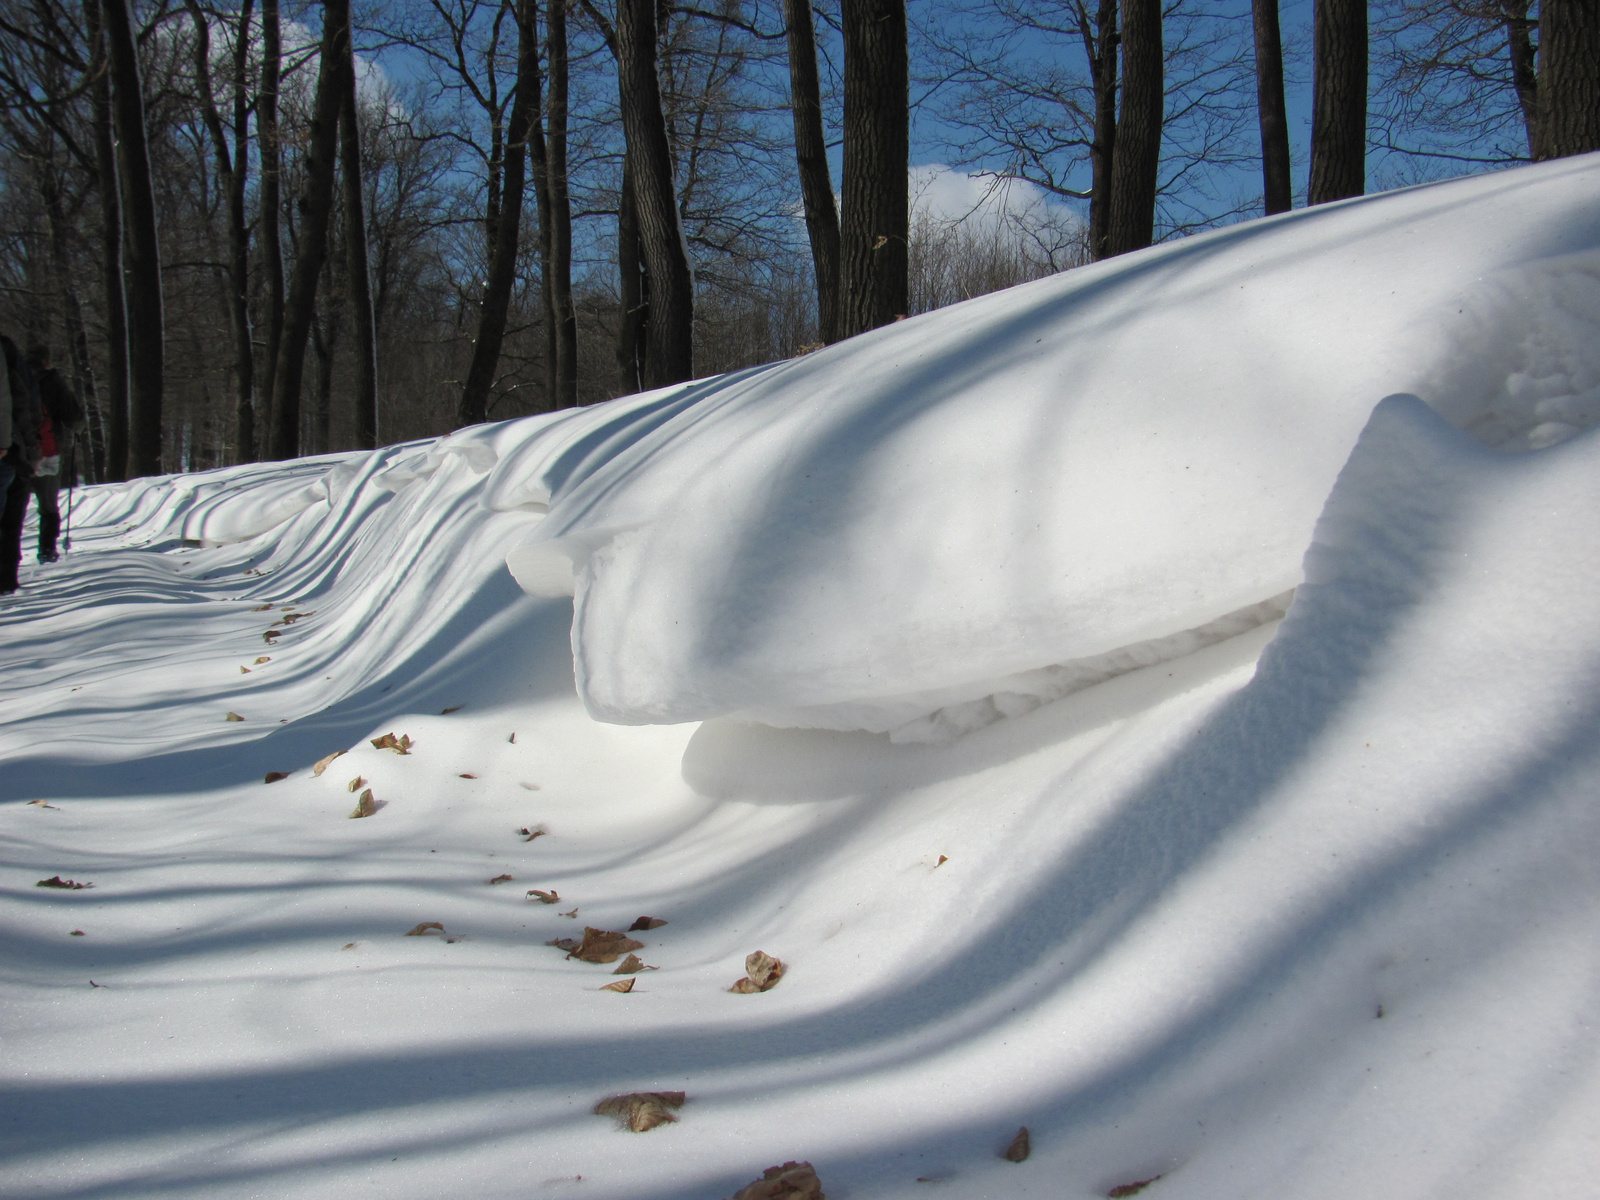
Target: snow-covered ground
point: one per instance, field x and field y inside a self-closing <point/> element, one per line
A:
<point x="950" y="666"/>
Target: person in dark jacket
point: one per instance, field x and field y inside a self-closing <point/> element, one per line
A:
<point x="19" y="434"/>
<point x="62" y="418"/>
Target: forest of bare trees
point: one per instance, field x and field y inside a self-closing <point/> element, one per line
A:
<point x="254" y="229"/>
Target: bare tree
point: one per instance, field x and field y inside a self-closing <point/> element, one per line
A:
<point x="1273" y="117"/>
<point x="811" y="158"/>
<point x="1569" y="78"/>
<point x="874" y="233"/>
<point x="1339" y="102"/>
<point x="1135" y="170"/>
<point x="355" y="242"/>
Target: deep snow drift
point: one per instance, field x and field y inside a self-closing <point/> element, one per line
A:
<point x="1006" y="749"/>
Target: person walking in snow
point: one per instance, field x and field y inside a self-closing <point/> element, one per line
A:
<point x="19" y="434"/>
<point x="62" y="417"/>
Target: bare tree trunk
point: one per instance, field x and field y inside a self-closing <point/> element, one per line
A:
<point x="633" y="290"/>
<point x="1339" y="102"/>
<point x="113" y="466"/>
<point x="1524" y="75"/>
<point x="316" y="203"/>
<point x="83" y="380"/>
<point x="1274" y="121"/>
<point x="670" y="333"/>
<point x="874" y="234"/>
<point x="146" y="327"/>
<point x="558" y="266"/>
<point x="1569" y="78"/>
<point x="1101" y="45"/>
<point x="324" y="341"/>
<point x="1130" y="224"/>
<point x="232" y="169"/>
<point x="811" y="157"/>
<point x="474" y="403"/>
<point x="355" y="243"/>
<point x="271" y="149"/>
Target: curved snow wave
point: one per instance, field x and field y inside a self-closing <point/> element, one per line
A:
<point x="1051" y="475"/>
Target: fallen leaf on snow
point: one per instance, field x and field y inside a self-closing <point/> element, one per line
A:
<point x="466" y="775"/>
<point x="573" y="913"/>
<point x="244" y="670"/>
<point x="447" y="711"/>
<point x="400" y="745"/>
<point x="792" y="1181"/>
<point x="943" y="858"/>
<point x="530" y="787"/>
<point x="1131" y="1189"/>
<point x="265" y="658"/>
<point x="264" y="607"/>
<point x="535" y="831"/>
<point x="349" y="946"/>
<point x="647" y="923"/>
<point x="76" y="933"/>
<point x="233" y="716"/>
<point x="762" y="973"/>
<point x="549" y="897"/>
<point x="604" y="945"/>
<point x="93" y="984"/>
<point x="55" y="881"/>
<point x="567" y="944"/>
<point x="640" y="1111"/>
<point x="621" y="985"/>
<point x="356" y="784"/>
<point x="322" y="764"/>
<point x="271" y="636"/>
<point x="274" y="776"/>
<point x="1021" y="1146"/>
<point x="365" y="806"/>
<point x="631" y="966"/>
<point x="42" y="804"/>
<point x="502" y="879"/>
<point x="419" y="930"/>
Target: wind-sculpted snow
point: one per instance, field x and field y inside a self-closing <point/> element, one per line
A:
<point x="880" y="533"/>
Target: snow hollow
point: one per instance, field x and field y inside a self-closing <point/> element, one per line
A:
<point x="1157" y="706"/>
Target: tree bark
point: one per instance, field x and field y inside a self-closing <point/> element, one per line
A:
<point x="1273" y="119"/>
<point x="271" y="150"/>
<point x="316" y="204"/>
<point x="1101" y="44"/>
<point x="146" y="326"/>
<point x="1339" y="101"/>
<point x="875" y="226"/>
<point x="1569" y="78"/>
<point x="1524" y="72"/>
<point x="355" y="243"/>
<point x="1130" y="223"/>
<point x="811" y="158"/>
<point x="558" y="265"/>
<point x="474" y="403"/>
<point x="633" y="290"/>
<point x="669" y="357"/>
<point x="232" y="169"/>
<point x="114" y="465"/>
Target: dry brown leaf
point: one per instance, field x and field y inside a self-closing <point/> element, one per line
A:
<point x="419" y="930"/>
<point x="466" y="775"/>
<point x="244" y="670"/>
<point x="529" y="787"/>
<point x="400" y="745"/>
<point x="322" y="764"/>
<point x="274" y="776"/>
<point x="762" y="973"/>
<point x="349" y="946"/>
<point x="233" y="716"/>
<point x="55" y="881"/>
<point x="567" y="944"/>
<point x="1021" y="1146"/>
<point x="573" y="913"/>
<point x="271" y="636"/>
<point x="792" y="1181"/>
<point x="502" y="879"/>
<point x="446" y="712"/>
<point x="1131" y="1189"/>
<point x="646" y="923"/>
<point x="77" y="933"/>
<point x="532" y="832"/>
<point x="943" y="858"/>
<point x="550" y="897"/>
<point x="604" y="945"/>
<point x="265" y="658"/>
<point x="365" y="806"/>
<point x="264" y="607"/>
<point x="42" y="804"/>
<point x="621" y="985"/>
<point x="631" y="966"/>
<point x="356" y="784"/>
<point x="640" y="1111"/>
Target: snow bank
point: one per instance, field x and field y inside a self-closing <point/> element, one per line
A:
<point x="961" y="515"/>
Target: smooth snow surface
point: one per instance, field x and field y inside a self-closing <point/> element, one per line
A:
<point x="1261" y="905"/>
